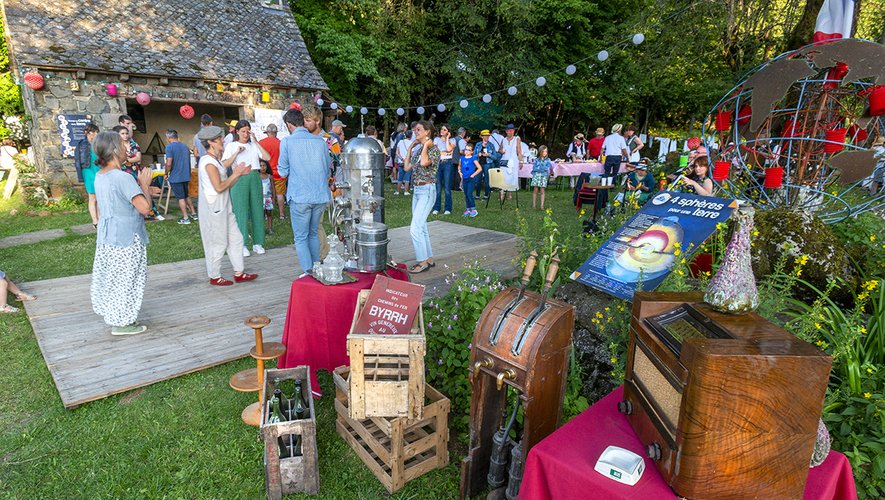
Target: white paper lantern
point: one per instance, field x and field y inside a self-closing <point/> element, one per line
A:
<point x="441" y="108"/>
<point x="570" y="69"/>
<point x="349" y="109"/>
<point x="511" y="91"/>
<point x="420" y="110"/>
<point x="400" y="111"/>
<point x="638" y="38"/>
<point x="381" y="111"/>
<point x="603" y="55"/>
<point x="320" y="102"/>
<point x="540" y="81"/>
<point x="334" y="105"/>
<point x="464" y="103"/>
<point x="487" y="98"/>
<point x="364" y="110"/>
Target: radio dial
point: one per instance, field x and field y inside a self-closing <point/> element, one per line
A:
<point x="654" y="451"/>
<point x="625" y="407"/>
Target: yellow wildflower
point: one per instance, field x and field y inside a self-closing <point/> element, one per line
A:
<point x="677" y="252"/>
<point x="549" y="211"/>
<point x="871" y="285"/>
<point x="872" y="237"/>
<point x="682" y="261"/>
<point x="863" y="329"/>
<point x="582" y="212"/>
<point x="606" y="309"/>
<point x="755" y="232"/>
<point x="819" y="343"/>
<point x="869" y="370"/>
<point x="614" y="360"/>
<point x="599" y="315"/>
<point x="863" y="296"/>
<point x="720" y="225"/>
<point x="798" y="271"/>
<point x="817" y="325"/>
<point x="616" y="203"/>
<point x="680" y="272"/>
<point x="867" y="395"/>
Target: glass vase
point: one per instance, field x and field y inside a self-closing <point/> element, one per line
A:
<point x="733" y="288"/>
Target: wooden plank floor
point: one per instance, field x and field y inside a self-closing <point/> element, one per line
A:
<point x="193" y="326"/>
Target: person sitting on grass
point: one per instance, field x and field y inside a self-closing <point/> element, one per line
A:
<point x="540" y="175"/>
<point x="6" y="285"/>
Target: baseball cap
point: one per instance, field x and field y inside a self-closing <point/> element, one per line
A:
<point x="510" y="126"/>
<point x="210" y="132"/>
<point x="336" y="123"/>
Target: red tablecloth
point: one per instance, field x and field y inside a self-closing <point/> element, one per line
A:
<point x="561" y="466"/>
<point x="318" y="321"/>
<point x="569" y="169"/>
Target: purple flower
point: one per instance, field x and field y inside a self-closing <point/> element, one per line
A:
<point x="455" y="317"/>
<point x="449" y="327"/>
<point x="473" y="288"/>
<point x="470" y="346"/>
<point x="439" y="362"/>
<point x="429" y="324"/>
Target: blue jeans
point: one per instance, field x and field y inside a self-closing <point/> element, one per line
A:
<point x="422" y="201"/>
<point x="403" y="177"/>
<point x="469" y="185"/>
<point x="444" y="183"/>
<point x="482" y="180"/>
<point x="612" y="165"/>
<point x="306" y="218"/>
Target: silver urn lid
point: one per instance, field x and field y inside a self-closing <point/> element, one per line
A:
<point x="362" y="145"/>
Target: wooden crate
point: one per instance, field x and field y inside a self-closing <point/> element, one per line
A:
<point x="293" y="474"/>
<point x="386" y="371"/>
<point x="396" y="450"/>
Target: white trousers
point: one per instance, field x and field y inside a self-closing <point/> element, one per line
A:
<point x="220" y="234"/>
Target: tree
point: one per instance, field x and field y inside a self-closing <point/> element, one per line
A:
<point x="10" y="93"/>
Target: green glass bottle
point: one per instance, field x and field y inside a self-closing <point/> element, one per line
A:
<point x="298" y="408"/>
<point x="276" y="415"/>
<point x="284" y="449"/>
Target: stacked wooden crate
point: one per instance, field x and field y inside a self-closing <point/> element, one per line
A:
<point x="394" y="421"/>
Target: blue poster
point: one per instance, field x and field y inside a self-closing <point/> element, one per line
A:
<point x="644" y="249"/>
<point x="70" y="130"/>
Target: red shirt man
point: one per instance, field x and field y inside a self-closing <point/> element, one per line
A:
<point x="272" y="145"/>
<point x="594" y="147"/>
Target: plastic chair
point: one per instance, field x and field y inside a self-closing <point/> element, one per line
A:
<point x="498" y="181"/>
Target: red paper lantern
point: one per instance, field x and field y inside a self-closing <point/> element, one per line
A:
<point x="143" y="98"/>
<point x="723" y="121"/>
<point x="744" y="115"/>
<point x="877" y="101"/>
<point x="720" y="170"/>
<point x="693" y="143"/>
<point x="186" y="112"/>
<point x="774" y="177"/>
<point x="34" y="80"/>
<point x="835" y="140"/>
<point x="295" y="105"/>
<point x="856" y="134"/>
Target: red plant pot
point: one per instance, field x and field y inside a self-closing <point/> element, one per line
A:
<point x="835" y="140"/>
<point x="856" y="134"/>
<point x="720" y="170"/>
<point x="723" y="121"/>
<point x="744" y="115"/>
<point x="774" y="177"/>
<point x="877" y="101"/>
<point x="702" y="263"/>
<point x="836" y="75"/>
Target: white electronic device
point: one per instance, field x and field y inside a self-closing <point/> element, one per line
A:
<point x="619" y="464"/>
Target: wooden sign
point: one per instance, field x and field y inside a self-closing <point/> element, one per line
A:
<point x="391" y="307"/>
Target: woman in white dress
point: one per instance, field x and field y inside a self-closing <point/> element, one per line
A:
<point x="512" y="146"/>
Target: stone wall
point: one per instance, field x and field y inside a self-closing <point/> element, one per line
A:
<point x="56" y="98"/>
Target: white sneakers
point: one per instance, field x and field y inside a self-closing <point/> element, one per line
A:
<point x="435" y="212"/>
<point x="246" y="252"/>
<point x="258" y="249"/>
<point x="447" y="213"/>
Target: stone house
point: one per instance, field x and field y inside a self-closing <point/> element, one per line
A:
<point x="232" y="59"/>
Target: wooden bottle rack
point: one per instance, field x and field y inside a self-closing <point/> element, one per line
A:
<point x="252" y="379"/>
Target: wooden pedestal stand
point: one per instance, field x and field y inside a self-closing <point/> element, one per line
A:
<point x="252" y="380"/>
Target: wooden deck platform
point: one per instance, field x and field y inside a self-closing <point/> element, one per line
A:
<point x="193" y="326"/>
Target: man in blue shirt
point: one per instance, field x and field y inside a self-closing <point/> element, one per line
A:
<point x="305" y="160"/>
<point x="178" y="173"/>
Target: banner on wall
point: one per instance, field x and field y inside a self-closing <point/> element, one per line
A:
<point x="70" y="130"/>
<point x="264" y="117"/>
<point x="645" y="249"/>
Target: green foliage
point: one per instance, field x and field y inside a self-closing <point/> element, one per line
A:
<point x="10" y="93"/>
<point x="574" y="402"/>
<point x="449" y="325"/>
<point x="857" y="427"/>
<point x="862" y="237"/>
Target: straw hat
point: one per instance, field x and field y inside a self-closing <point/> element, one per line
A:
<point x="616" y="129"/>
<point x="579" y="137"/>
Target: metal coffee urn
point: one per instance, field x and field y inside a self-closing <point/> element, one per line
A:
<point x="361" y="183"/>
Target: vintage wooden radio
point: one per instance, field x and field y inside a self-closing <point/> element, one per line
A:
<point x="522" y="341"/>
<point x="727" y="405"/>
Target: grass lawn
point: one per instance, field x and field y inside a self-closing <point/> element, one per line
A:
<point x="182" y="438"/>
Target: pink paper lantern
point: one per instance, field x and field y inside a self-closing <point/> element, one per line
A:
<point x="186" y="112"/>
<point x="143" y="98"/>
<point x="111" y="89"/>
<point x="34" y="80"/>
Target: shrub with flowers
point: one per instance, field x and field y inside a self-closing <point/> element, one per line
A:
<point x="449" y="323"/>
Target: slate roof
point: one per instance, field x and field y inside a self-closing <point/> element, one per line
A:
<point x="230" y="40"/>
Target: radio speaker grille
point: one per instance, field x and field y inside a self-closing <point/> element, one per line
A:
<point x="667" y="398"/>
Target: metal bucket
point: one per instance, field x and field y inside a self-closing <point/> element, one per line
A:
<point x="372" y="255"/>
